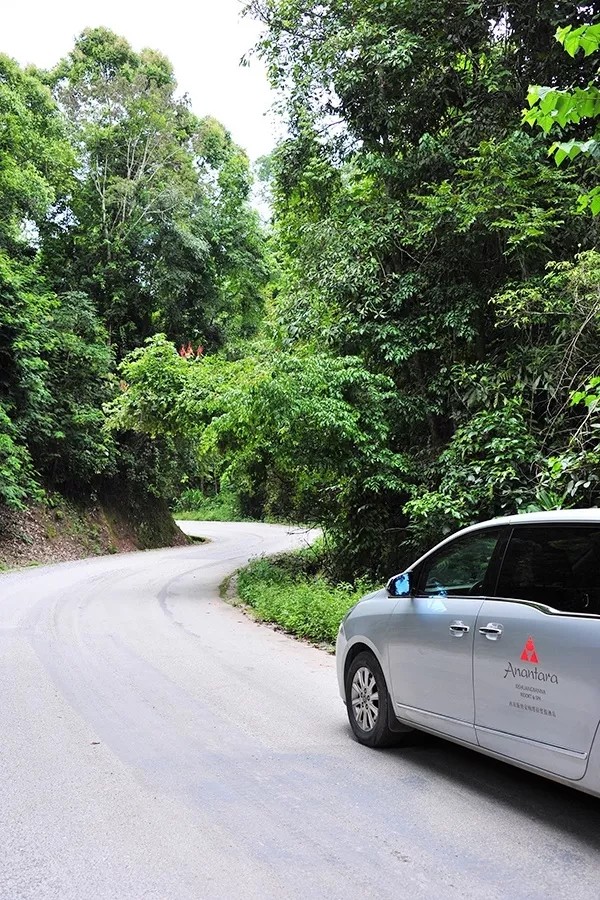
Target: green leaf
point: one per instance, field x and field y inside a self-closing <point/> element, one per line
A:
<point x="586" y="38"/>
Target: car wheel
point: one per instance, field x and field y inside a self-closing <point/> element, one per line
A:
<point x="367" y="701"/>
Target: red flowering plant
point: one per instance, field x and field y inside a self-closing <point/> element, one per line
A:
<point x="188" y="352"/>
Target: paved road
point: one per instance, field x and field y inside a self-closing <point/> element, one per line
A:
<point x="156" y="743"/>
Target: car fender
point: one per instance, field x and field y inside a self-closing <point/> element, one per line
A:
<point x="378" y="652"/>
<point x="367" y="642"/>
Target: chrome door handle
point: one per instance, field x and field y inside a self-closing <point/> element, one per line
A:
<point x="492" y="631"/>
<point x="458" y="629"/>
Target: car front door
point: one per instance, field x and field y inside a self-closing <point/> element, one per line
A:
<point x="536" y="660"/>
<point x="430" y="641"/>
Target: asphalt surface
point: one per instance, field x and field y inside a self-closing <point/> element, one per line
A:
<point x="157" y="743"/>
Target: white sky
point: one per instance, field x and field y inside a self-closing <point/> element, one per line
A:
<point x="204" y="39"/>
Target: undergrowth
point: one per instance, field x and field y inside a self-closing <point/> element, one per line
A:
<point x="193" y="505"/>
<point x="289" y="590"/>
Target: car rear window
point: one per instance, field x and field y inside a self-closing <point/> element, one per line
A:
<point x="554" y="565"/>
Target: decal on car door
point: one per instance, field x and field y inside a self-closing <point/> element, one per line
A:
<point x="529" y="654"/>
<point x="531" y="697"/>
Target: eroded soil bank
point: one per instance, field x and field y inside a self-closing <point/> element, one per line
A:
<point x="62" y="530"/>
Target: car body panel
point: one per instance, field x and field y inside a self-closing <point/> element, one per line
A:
<point x="375" y="609"/>
<point x="540" y="706"/>
<point x="430" y="666"/>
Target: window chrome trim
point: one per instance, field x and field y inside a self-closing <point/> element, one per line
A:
<point x="546" y="610"/>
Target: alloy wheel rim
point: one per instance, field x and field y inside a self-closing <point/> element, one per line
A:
<point x="365" y="699"/>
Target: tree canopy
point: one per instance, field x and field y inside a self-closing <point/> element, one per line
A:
<point x="123" y="214"/>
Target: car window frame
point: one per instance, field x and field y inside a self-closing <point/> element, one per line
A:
<point x="493" y="571"/>
<point x="542" y="607"/>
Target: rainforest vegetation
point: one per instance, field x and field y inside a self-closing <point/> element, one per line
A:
<point x="122" y="215"/>
<point x="410" y="345"/>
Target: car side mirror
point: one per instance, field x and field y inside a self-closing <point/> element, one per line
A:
<point x="400" y="585"/>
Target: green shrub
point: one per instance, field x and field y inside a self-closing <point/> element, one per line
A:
<point x="195" y="505"/>
<point x="17" y="479"/>
<point x="308" y="606"/>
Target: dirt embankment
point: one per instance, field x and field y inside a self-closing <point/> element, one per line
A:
<point x="62" y="530"/>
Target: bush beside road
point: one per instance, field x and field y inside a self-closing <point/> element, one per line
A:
<point x="287" y="591"/>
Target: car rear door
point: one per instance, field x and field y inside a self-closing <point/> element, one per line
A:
<point x="536" y="662"/>
<point x="430" y="636"/>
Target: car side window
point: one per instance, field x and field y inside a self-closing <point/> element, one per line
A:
<point x="460" y="568"/>
<point x="553" y="565"/>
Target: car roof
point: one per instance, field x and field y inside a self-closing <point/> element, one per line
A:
<point x="552" y="517"/>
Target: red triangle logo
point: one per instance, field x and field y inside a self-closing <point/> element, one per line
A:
<point x="529" y="655"/>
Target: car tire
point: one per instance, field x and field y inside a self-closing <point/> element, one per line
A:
<point x="367" y="703"/>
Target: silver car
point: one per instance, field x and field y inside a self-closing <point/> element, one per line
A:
<point x="492" y="639"/>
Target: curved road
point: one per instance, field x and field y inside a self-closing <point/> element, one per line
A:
<point x="156" y="743"/>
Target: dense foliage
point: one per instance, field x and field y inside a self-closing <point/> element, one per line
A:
<point x="423" y="229"/>
<point x="430" y="347"/>
<point x="425" y="352"/>
<point x="123" y="214"/>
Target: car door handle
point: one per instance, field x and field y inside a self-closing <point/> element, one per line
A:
<point x="492" y="631"/>
<point x="458" y="629"/>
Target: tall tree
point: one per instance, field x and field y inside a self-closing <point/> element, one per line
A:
<point x="36" y="164"/>
<point x="143" y="232"/>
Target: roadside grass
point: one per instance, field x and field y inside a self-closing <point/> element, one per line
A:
<point x="286" y="591"/>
